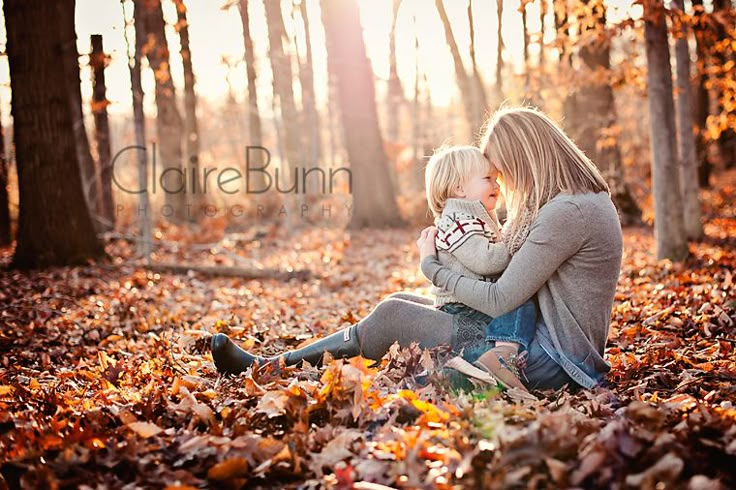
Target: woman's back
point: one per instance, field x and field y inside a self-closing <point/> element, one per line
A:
<point x="576" y="300"/>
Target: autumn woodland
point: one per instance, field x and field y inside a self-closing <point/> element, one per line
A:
<point x="174" y="169"/>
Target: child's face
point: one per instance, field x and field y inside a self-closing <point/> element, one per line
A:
<point x="482" y="186"/>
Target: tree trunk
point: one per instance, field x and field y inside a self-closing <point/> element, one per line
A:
<point x="590" y="114"/>
<point x="562" y="36"/>
<point x="374" y="203"/>
<point x="306" y="78"/>
<point x="727" y="139"/>
<point x="336" y="145"/>
<point x="542" y="49"/>
<point x="81" y="142"/>
<point x="686" y="137"/>
<point x="479" y="92"/>
<point x="702" y="97"/>
<point x="669" y="229"/>
<point x="196" y="197"/>
<point x="168" y="121"/>
<point x="255" y="131"/>
<point x="54" y="225"/>
<point x="415" y="183"/>
<point x="104" y="205"/>
<point x="139" y="124"/>
<point x="525" y="41"/>
<point x="283" y="79"/>
<point x="395" y="93"/>
<point x="5" y="234"/>
<point x="473" y="112"/>
<point x="499" y="51"/>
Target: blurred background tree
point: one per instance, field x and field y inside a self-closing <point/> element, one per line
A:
<point x="350" y="98"/>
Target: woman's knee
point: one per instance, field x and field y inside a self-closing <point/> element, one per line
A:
<point x="390" y="307"/>
<point x="399" y="295"/>
<point x="414" y="298"/>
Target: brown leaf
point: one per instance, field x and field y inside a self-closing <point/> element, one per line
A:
<point x="665" y="470"/>
<point x="228" y="469"/>
<point x="273" y="403"/>
<point x="589" y="465"/>
<point x="145" y="429"/>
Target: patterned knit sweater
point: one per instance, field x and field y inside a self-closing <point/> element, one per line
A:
<point x="468" y="243"/>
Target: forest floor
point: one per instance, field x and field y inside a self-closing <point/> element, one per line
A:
<point x="106" y="378"/>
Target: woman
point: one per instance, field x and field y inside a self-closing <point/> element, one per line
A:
<point x="569" y="247"/>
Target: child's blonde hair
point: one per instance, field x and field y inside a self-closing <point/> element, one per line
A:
<point x="448" y="169"/>
<point x="537" y="161"/>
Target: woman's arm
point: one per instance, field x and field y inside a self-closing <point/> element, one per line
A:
<point x="555" y="236"/>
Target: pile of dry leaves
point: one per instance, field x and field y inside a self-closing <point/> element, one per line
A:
<point x="106" y="379"/>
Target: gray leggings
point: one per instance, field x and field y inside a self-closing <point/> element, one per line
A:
<point x="406" y="318"/>
<point x="403" y="318"/>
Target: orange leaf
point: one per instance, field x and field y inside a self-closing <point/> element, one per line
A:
<point x="228" y="469"/>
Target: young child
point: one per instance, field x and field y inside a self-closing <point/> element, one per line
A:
<point x="462" y="192"/>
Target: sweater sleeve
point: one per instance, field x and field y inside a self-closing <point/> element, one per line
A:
<point x="556" y="235"/>
<point x="481" y="256"/>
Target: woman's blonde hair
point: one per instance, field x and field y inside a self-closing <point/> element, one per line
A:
<point x="537" y="161"/>
<point x="448" y="169"/>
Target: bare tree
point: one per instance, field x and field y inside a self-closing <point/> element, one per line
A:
<point x="525" y="41"/>
<point x="135" y="56"/>
<point x="255" y="131"/>
<point x="669" y="229"/>
<point x="479" y="92"/>
<point x="191" y="124"/>
<point x="561" y="27"/>
<point x="373" y="197"/>
<point x="283" y="80"/>
<point x="590" y="114"/>
<point x="724" y="56"/>
<point x="686" y="137"/>
<point x="54" y="225"/>
<point x="542" y="47"/>
<point x="306" y="78"/>
<point x="499" y="51"/>
<point x="149" y="15"/>
<point x="5" y="234"/>
<point x="395" y="93"/>
<point x="473" y="110"/>
<point x="702" y="96"/>
<point x="416" y="177"/>
<point x="104" y="207"/>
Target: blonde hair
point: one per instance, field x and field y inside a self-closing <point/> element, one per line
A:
<point x="537" y="161"/>
<point x="448" y="169"/>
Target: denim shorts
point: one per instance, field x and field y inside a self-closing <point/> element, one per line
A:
<point x="517" y="326"/>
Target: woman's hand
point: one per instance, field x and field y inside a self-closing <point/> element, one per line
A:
<point x="426" y="244"/>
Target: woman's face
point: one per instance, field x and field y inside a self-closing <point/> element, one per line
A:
<point x="496" y="167"/>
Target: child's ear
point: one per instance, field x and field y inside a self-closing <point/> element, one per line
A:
<point x="459" y="191"/>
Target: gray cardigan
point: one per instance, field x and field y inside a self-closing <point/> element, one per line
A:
<point x="571" y="261"/>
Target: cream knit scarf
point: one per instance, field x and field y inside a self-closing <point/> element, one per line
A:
<point x="516" y="230"/>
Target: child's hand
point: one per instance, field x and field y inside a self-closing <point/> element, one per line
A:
<point x="426" y="244"/>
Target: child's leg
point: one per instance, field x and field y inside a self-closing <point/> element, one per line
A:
<point x="515" y="328"/>
<point x="509" y="332"/>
